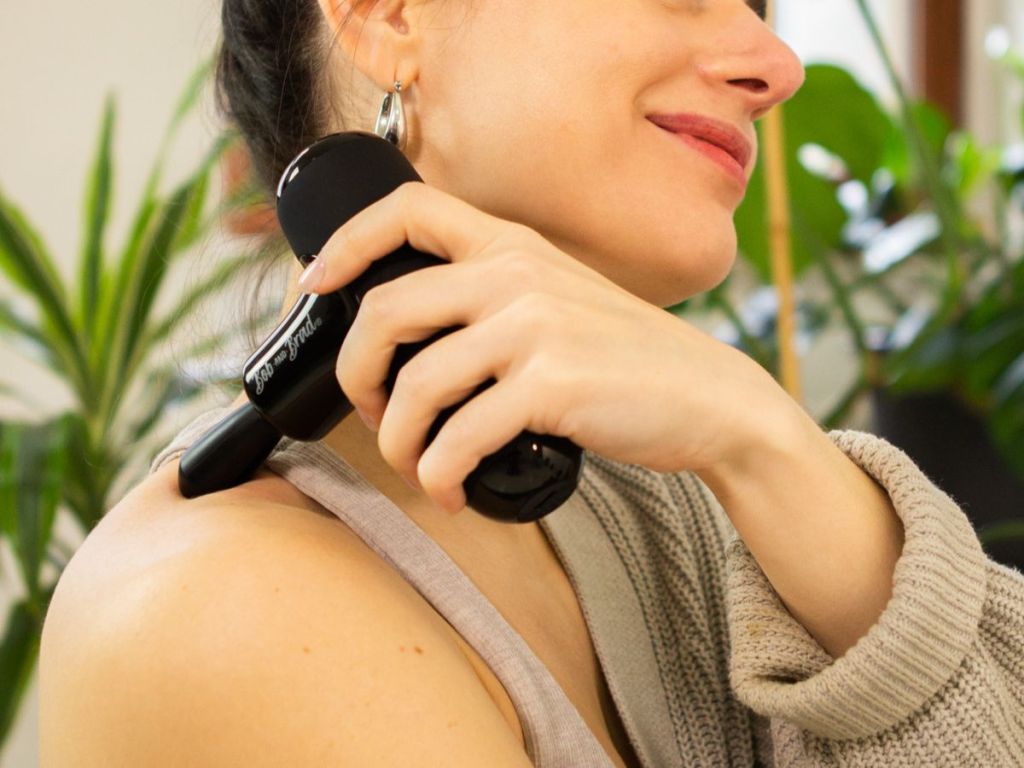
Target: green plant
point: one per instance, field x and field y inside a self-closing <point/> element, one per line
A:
<point x="908" y="225"/>
<point x="99" y="336"/>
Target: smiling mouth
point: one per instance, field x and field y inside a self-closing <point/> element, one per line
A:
<point x="716" y="154"/>
<point x="718" y="141"/>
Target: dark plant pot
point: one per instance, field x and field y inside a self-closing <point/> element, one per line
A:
<point x="953" y="448"/>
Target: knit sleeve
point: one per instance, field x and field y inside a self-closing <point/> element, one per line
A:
<point x="937" y="681"/>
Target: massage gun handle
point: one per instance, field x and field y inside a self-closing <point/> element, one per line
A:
<point x="526" y="479"/>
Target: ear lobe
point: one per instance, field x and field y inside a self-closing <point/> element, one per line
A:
<point x="375" y="37"/>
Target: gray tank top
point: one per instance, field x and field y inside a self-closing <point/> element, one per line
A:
<point x="556" y="735"/>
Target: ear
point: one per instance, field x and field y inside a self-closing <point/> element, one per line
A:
<point x="376" y="37"/>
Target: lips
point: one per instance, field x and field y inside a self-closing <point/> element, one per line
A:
<point x="718" y="134"/>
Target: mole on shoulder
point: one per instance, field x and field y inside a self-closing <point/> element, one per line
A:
<point x="417" y="649"/>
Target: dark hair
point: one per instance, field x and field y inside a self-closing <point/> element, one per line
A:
<point x="271" y="85"/>
<point x="270" y="79"/>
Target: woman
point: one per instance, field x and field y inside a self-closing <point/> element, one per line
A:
<point x="729" y="585"/>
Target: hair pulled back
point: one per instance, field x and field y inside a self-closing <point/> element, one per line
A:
<point x="270" y="78"/>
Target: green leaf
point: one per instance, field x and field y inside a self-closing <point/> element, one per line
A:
<point x="836" y="112"/>
<point x="189" y="96"/>
<point x="929" y="364"/>
<point x="96" y="211"/>
<point x="114" y="285"/>
<point x="969" y="163"/>
<point x="854" y="128"/>
<point x="990" y="352"/>
<point x="143" y="282"/>
<point x="192" y="223"/>
<point x="24" y="257"/>
<point x="92" y="466"/>
<point x="899" y="156"/>
<point x="1004" y="530"/>
<point x="1006" y="425"/>
<point x="8" y="483"/>
<point x="1010" y="383"/>
<point x="13" y="322"/>
<point x="115" y="282"/>
<point x="25" y="261"/>
<point x="33" y="460"/>
<point x="19" y="652"/>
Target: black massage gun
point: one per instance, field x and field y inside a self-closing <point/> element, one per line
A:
<point x="290" y="380"/>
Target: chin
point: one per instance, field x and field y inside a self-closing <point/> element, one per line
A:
<point x="693" y="282"/>
<point x="670" y="274"/>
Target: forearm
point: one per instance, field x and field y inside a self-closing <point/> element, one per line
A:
<point x="822" y="530"/>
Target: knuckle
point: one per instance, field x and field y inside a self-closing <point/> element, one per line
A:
<point x="516" y="233"/>
<point x="412" y="377"/>
<point x="518" y="269"/>
<point x="341" y="374"/>
<point x="376" y="304"/>
<point x="434" y="478"/>
<point x="346" y="380"/>
<point x="341" y="240"/>
<point x="408" y="193"/>
<point x="390" y="448"/>
<point x="533" y="310"/>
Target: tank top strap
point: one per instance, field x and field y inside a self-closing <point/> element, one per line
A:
<point x="555" y="733"/>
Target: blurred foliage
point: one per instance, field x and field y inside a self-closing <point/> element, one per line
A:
<point x="98" y="336"/>
<point x="896" y="206"/>
<point x="899" y="207"/>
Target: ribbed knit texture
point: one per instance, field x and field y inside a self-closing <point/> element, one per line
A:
<point x="708" y="668"/>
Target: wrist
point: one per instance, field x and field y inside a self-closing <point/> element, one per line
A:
<point x="780" y="437"/>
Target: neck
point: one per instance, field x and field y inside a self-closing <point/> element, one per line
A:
<point x="357" y="445"/>
<point x="351" y="440"/>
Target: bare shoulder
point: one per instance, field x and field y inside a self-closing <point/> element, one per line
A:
<point x="243" y="630"/>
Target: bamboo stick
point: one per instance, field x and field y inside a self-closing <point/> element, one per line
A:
<point x="781" y="242"/>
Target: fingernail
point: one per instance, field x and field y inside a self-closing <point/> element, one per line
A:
<point x="311" y="276"/>
<point x="370" y="423"/>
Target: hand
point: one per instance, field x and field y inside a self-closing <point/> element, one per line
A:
<point x="572" y="353"/>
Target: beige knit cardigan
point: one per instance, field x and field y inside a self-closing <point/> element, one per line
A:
<point x="937" y="681"/>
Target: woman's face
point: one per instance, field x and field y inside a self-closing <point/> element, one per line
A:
<point x="539" y="111"/>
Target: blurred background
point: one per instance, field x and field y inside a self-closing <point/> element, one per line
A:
<point x="903" y="165"/>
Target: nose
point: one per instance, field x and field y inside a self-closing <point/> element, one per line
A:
<point x="754" y="64"/>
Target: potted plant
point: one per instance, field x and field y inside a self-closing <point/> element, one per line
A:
<point x="100" y="337"/>
<point x="904" y="235"/>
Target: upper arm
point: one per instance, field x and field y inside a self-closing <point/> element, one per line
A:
<point x="273" y="648"/>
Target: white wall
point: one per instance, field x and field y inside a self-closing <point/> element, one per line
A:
<point x="832" y="31"/>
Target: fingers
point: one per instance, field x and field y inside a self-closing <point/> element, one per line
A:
<point x="387" y="317"/>
<point x="438" y="376"/>
<point x="489" y="421"/>
<point x="429" y="219"/>
<point x="416" y="305"/>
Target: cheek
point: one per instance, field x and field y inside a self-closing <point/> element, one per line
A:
<point x="515" y="98"/>
<point x="554" y="139"/>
